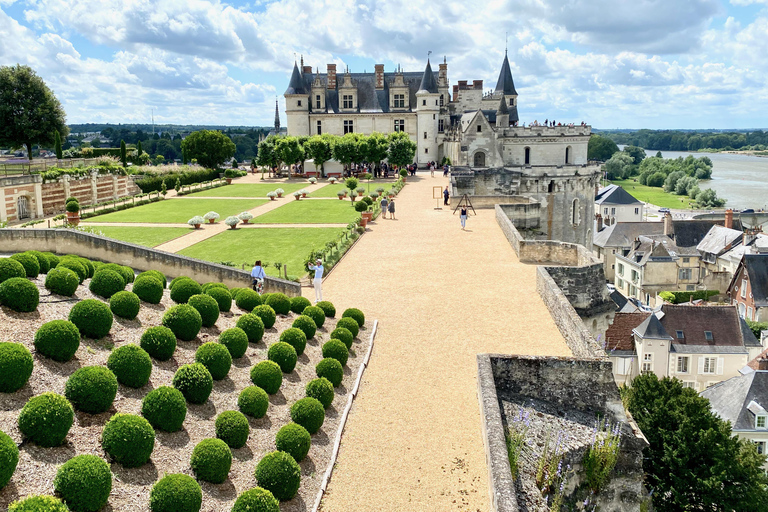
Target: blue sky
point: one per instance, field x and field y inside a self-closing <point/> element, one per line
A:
<point x="612" y="63"/>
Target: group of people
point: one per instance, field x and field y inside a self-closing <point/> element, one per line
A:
<point x="258" y="275"/>
<point x="433" y="167"/>
<point x="387" y="205"/>
<point x="552" y="123"/>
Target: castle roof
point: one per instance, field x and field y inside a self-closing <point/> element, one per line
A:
<point x="503" y="109"/>
<point x="428" y="82"/>
<point x="296" y="85"/>
<point x="505" y="84"/>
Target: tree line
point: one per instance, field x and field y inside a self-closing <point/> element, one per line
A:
<point x="676" y="140"/>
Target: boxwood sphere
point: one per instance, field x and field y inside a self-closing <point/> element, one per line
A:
<point x="232" y="428"/>
<point x="215" y="357"/>
<point x="84" y="483"/>
<point x="183" y="289"/>
<point x="337" y="350"/>
<point x="57" y="339"/>
<point x="321" y="389"/>
<point x="248" y="299"/>
<point x="92" y="318"/>
<point x="235" y="340"/>
<point x="309" y="413"/>
<point x="294" y="440"/>
<point x="268" y="376"/>
<point x="355" y="314"/>
<point x="264" y="297"/>
<point x="62" y="281"/>
<point x="176" y="493"/>
<point x="106" y="283"/>
<point x="177" y="279"/>
<point x="131" y="365"/>
<point x="184" y="321"/>
<point x="267" y="315"/>
<point x="295" y="338"/>
<point x="256" y="500"/>
<point x="207" y="307"/>
<point x="45" y="419"/>
<point x="125" y="272"/>
<point x="148" y="288"/>
<point x="45" y="265"/>
<point x="29" y="262"/>
<point x="11" y="268"/>
<point x="279" y="302"/>
<point x="125" y="304"/>
<point x="38" y="504"/>
<point x="91" y="389"/>
<point x="53" y="260"/>
<point x="75" y="266"/>
<point x="156" y="274"/>
<point x="306" y="324"/>
<point x="15" y="367"/>
<point x="194" y="381"/>
<point x="9" y="458"/>
<point x="342" y="334"/>
<point x="331" y="369"/>
<point x="222" y="297"/>
<point x="164" y="408"/>
<point x="129" y="439"/>
<point x="253" y="401"/>
<point x="235" y="291"/>
<point x="327" y="307"/>
<point x="284" y="355"/>
<point x="280" y="474"/>
<point x="207" y="286"/>
<point x="316" y="314"/>
<point x="159" y="342"/>
<point x="19" y="294"/>
<point x="253" y="327"/>
<point x="349" y="324"/>
<point x="211" y="460"/>
<point x="299" y="304"/>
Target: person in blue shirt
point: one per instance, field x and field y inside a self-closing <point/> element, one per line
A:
<point x="318" y="281"/>
<point x="257" y="273"/>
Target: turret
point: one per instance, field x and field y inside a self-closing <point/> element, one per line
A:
<point x="505" y="87"/>
<point x="502" y="116"/>
<point x="427" y="110"/>
<point x="297" y="104"/>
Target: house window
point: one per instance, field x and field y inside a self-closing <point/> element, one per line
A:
<point x="349" y="126"/>
<point x="743" y="288"/>
<point x="399" y="100"/>
<point x="686" y="260"/>
<point x="689" y="384"/>
<point x="682" y="364"/>
<point x="440" y="126"/>
<point x="319" y="127"/>
<point x="399" y="125"/>
<point x="710" y="365"/>
<point x="317" y="101"/>
<point x="708" y="335"/>
<point x="680" y="335"/>
<point x="613" y="211"/>
<point x="760" y="421"/>
<point x="684" y="274"/>
<point x="298" y="103"/>
<point x="760" y="446"/>
<point x="690" y="288"/>
<point x="647" y="363"/>
<point x="479" y="128"/>
<point x="347" y="101"/>
<point x="749" y="313"/>
<point x="605" y="211"/>
<point x="620" y="283"/>
<point x="637" y="211"/>
<point x="634" y="275"/>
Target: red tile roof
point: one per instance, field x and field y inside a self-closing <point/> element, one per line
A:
<point x="619" y="334"/>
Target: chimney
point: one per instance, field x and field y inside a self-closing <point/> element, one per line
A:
<point x="331" y="76"/>
<point x="462" y="84"/>
<point x="442" y="75"/>
<point x="597" y="188"/>
<point x="599" y="219"/>
<point x="668" y="224"/>
<point x="379" y="76"/>
<point x="477" y="84"/>
<point x="762" y="363"/>
<point x="729" y="218"/>
<point x="306" y="69"/>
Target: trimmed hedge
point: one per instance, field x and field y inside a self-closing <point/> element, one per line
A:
<point x="280" y="474"/>
<point x="309" y="413"/>
<point x="248" y="299"/>
<point x="194" y="381"/>
<point x="253" y="327"/>
<point x="125" y="305"/>
<point x="331" y="369"/>
<point x="125" y="272"/>
<point x="164" y="408"/>
<point x="337" y="350"/>
<point x="46" y="419"/>
<point x="256" y="500"/>
<point x="45" y="265"/>
<point x="235" y="340"/>
<point x="16" y="365"/>
<point x="284" y="355"/>
<point x="208" y="286"/>
<point x="57" y="339"/>
<point x="148" y="288"/>
<point x="183" y="289"/>
<point x="268" y="376"/>
<point x="235" y="291"/>
<point x="9" y="458"/>
<point x="342" y="334"/>
<point x="215" y="357"/>
<point x="211" y="460"/>
<point x="294" y="440"/>
<point x="321" y="389"/>
<point x="350" y="324"/>
<point x="62" y="281"/>
<point x="184" y="321"/>
<point x="299" y="304"/>
<point x="253" y="401"/>
<point x="29" y="262"/>
<point x="38" y="504"/>
<point x="207" y="307"/>
<point x="159" y="342"/>
<point x="92" y="318"/>
<point x="131" y="365"/>
<point x="157" y="275"/>
<point x="296" y="338"/>
<point x="267" y="315"/>
<point x="106" y="283"/>
<point x="128" y="439"/>
<point x="84" y="483"/>
<point x="91" y="389"/>
<point x="176" y="493"/>
<point x="327" y="307"/>
<point x="279" y="302"/>
<point x="19" y="294"/>
<point x="232" y="428"/>
<point x="76" y="267"/>
<point x="222" y="297"/>
<point x="11" y="268"/>
<point x="306" y="324"/>
<point x="53" y="260"/>
<point x="355" y="314"/>
<point x="316" y="314"/>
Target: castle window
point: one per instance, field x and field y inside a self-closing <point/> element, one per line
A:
<point x="425" y="135"/>
<point x="441" y="100"/>
<point x="479" y="128"/>
<point x="298" y="103"/>
<point x="440" y="126"/>
<point x="399" y="100"/>
<point x="424" y="103"/>
<point x="319" y="127"/>
<point x="575" y="217"/>
<point x="511" y="102"/>
<point x="347" y="101"/>
<point x="479" y="159"/>
<point x="568" y="155"/>
<point x="349" y="126"/>
<point x="551" y="186"/>
<point x="528" y="157"/>
<point x="317" y="101"/>
<point x="426" y="151"/>
<point x="399" y="125"/>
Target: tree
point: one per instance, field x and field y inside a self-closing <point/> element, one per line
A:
<point x="656" y="179"/>
<point x="637" y="154"/>
<point x="29" y="111"/>
<point x="757" y="327"/>
<point x="320" y="149"/>
<point x="346" y="150"/>
<point x="401" y="149"/>
<point x="163" y="188"/>
<point x="601" y="148"/>
<point x="375" y="148"/>
<point x="658" y="154"/>
<point x="619" y="166"/>
<point x="685" y="184"/>
<point x="671" y="182"/>
<point x="96" y="142"/>
<point x="267" y="155"/>
<point x="57" y="145"/>
<point x="289" y="151"/>
<point x="708" y="199"/>
<point x="210" y="147"/>
<point x="138" y="148"/>
<point x="123" y="154"/>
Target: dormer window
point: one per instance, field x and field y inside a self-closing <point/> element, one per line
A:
<point x="760" y="421"/>
<point x="708" y="335"/>
<point x="399" y="100"/>
<point x="479" y="128"/>
<point x="680" y="335"/>
<point x="347" y="101"/>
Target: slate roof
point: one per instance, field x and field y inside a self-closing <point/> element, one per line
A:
<point x="622" y="234"/>
<point x="428" y="82"/>
<point x="718" y="238"/>
<point x="503" y="109"/>
<point x="688" y="233"/>
<point x="505" y="84"/>
<point x="296" y="85"/>
<point x="619" y="299"/>
<point x="728" y="330"/>
<point x="757" y="269"/>
<point x="651" y="328"/>
<point x="614" y="194"/>
<point x="731" y="398"/>
<point x="619" y="334"/>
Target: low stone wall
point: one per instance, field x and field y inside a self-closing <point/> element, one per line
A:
<point x="88" y="245"/>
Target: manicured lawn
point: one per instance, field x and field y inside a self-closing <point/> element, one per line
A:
<point x="289" y="246"/>
<point x="180" y="210"/>
<point x="149" y="237"/>
<point x="331" y="190"/>
<point x="653" y="195"/>
<point x="324" y="211"/>
<point x="250" y="190"/>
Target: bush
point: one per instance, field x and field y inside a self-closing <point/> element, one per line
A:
<point x="306" y="324"/>
<point x="207" y="307"/>
<point x="267" y="315"/>
<point x="176" y="280"/>
<point x="53" y="260"/>
<point x="92" y="318"/>
<point x="235" y="291"/>
<point x="184" y="321"/>
<point x="38" y="504"/>
<point x="280" y="474"/>
<point x="164" y="408"/>
<point x="129" y="439"/>
<point x="211" y="460"/>
<point x="91" y="389"/>
<point x="45" y="265"/>
<point x="214" y="284"/>
<point x="157" y="275"/>
<point x="76" y="267"/>
<point x="248" y="299"/>
<point x="235" y="340"/>
<point x="256" y="500"/>
<point x="184" y="289"/>
<point x="148" y="288"/>
<point x="131" y="365"/>
<point x="342" y="334"/>
<point x="159" y="342"/>
<point x="268" y="376"/>
<point x="9" y="458"/>
<point x="125" y="272"/>
<point x="295" y="338"/>
<point x="11" y="268"/>
<point x="331" y="369"/>
<point x="253" y="401"/>
<point x="46" y="419"/>
<point x="19" y="294"/>
<point x="327" y="307"/>
<point x="294" y="440"/>
<point x="299" y="304"/>
<point x="232" y="428"/>
<point x="106" y="283"/>
<point x="29" y="262"/>
<point x="194" y="381"/>
<point x="309" y="413"/>
<point x="57" y="339"/>
<point x="264" y="297"/>
<point x="222" y="297"/>
<point x="337" y="350"/>
<point x="284" y="355"/>
<point x="125" y="304"/>
<point x="316" y="314"/>
<point x="216" y="358"/>
<point x="279" y="302"/>
<point x="349" y="324"/>
<point x="355" y="314"/>
<point x="84" y="483"/>
<point x="321" y="389"/>
<point x="62" y="281"/>
<point x="253" y="327"/>
<point x="176" y="493"/>
<point x="15" y="368"/>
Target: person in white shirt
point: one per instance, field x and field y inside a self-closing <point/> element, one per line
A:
<point x="257" y="273"/>
<point x="318" y="281"/>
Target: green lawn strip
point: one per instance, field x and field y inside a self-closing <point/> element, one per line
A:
<point x="331" y="190"/>
<point x="180" y="210"/>
<point x="250" y="190"/>
<point x="289" y="246"/>
<point x="310" y="212"/>
<point x="149" y="237"/>
<point x="328" y="190"/>
<point x="653" y="195"/>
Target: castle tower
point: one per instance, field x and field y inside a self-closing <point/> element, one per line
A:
<point x="502" y="116"/>
<point x="427" y="111"/>
<point x="505" y="87"/>
<point x="277" y="118"/>
<point x="297" y="104"/>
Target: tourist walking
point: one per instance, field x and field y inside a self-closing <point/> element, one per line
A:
<point x="445" y="170"/>
<point x="384" y="204"/>
<point x="391" y="208"/>
<point x="431" y="169"/>
<point x="463" y="216"/>
<point x="446" y="195"/>
<point x="318" y="280"/>
<point x="257" y="273"/>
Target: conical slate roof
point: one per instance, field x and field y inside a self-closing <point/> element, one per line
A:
<point x="428" y="83"/>
<point x="296" y="85"/>
<point x="651" y="328"/>
<point x="503" y="109"/>
<point x="504" y="83"/>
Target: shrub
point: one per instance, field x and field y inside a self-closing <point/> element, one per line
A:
<point x="337" y="350"/>
<point x="294" y="440"/>
<point x="62" y="281"/>
<point x="280" y="474"/>
<point x="355" y="314"/>
<point x="207" y="307"/>
<point x="91" y="389"/>
<point x="245" y="216"/>
<point x="299" y="304"/>
<point x="306" y="324"/>
<point x="29" y="262"/>
<point x="184" y="321"/>
<point x="295" y="338"/>
<point x="232" y="428"/>
<point x="342" y="334"/>
<point x="15" y="368"/>
<point x="92" y="318"/>
<point x="268" y="376"/>
<point x="267" y="315"/>
<point x="76" y="267"/>
<point x="164" y="408"/>
<point x="211" y="216"/>
<point x="256" y="500"/>
<point x="19" y="294"/>
<point x="235" y="340"/>
<point x="11" y="268"/>
<point x="57" y="339"/>
<point x="279" y="302"/>
<point x="235" y="291"/>
<point x="159" y="342"/>
<point x="248" y="299"/>
<point x="84" y="483"/>
<point x="46" y="419"/>
<point x="222" y="297"/>
<point x="176" y="493"/>
<point x="349" y="324"/>
<point x="284" y="355"/>
<point x="216" y="358"/>
<point x="156" y="274"/>
<point x="361" y="207"/>
<point x="9" y="458"/>
<point x="331" y="369"/>
<point x="125" y="272"/>
<point x="184" y="289"/>
<point x="131" y="365"/>
<point x="106" y="283"/>
<point x="253" y="401"/>
<point x="264" y="297"/>
<point x="316" y="314"/>
<point x="321" y="389"/>
<point x="253" y="327"/>
<point x="44" y="263"/>
<point x="148" y="288"/>
<point x="91" y="268"/>
<point x="194" y="381"/>
<point x="231" y="221"/>
<point x="211" y="460"/>
<point x="53" y="260"/>
<point x="125" y="304"/>
<point x="129" y="439"/>
<point x="38" y="504"/>
<point x="176" y="280"/>
<point x="327" y="307"/>
<point x="309" y="413"/>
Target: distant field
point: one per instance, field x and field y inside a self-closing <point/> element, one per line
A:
<point x="653" y="195"/>
<point x="180" y="210"/>
<point x="149" y="237"/>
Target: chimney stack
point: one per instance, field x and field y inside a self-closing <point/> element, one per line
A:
<point x="477" y="84"/>
<point x="599" y="219"/>
<point x="668" y="224"/>
<point x="331" y="76"/>
<point x="379" y="76"/>
<point x="442" y="75"/>
<point x="729" y="218"/>
<point x="306" y="69"/>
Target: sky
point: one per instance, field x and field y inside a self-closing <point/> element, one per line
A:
<point x="688" y="64"/>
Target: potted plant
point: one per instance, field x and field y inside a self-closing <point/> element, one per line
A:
<point x="196" y="221"/>
<point x="360" y="191"/>
<point x="272" y="195"/>
<point x="211" y="217"/>
<point x="403" y="174"/>
<point x="332" y="180"/>
<point x="229" y="174"/>
<point x="380" y="191"/>
<point x="341" y="194"/>
<point x="245" y="217"/>
<point x="279" y="192"/>
<point x="73" y="212"/>
<point x="351" y="184"/>
<point x="313" y="180"/>
<point x="390" y="193"/>
<point x="297" y="195"/>
<point x="304" y="192"/>
<point x="232" y="222"/>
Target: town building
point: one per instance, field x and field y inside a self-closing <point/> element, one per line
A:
<point x="748" y="290"/>
<point x="614" y="204"/>
<point x="618" y="238"/>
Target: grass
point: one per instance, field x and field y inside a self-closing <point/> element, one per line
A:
<point x="331" y="190"/>
<point x="180" y="210"/>
<point x="310" y="212"/>
<point x="653" y="195"/>
<point x="249" y="190"/>
<point x="149" y="237"/>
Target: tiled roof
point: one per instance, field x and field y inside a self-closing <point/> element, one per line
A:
<point x="757" y="269"/>
<point x="614" y="194"/>
<point x="622" y="234"/>
<point x="730" y="399"/>
<point x="619" y="334"/>
<point x="718" y="238"/>
<point x="688" y="233"/>
<point x="651" y="328"/>
<point x="722" y="321"/>
<point x="504" y="83"/>
<point x="296" y="85"/>
<point x="428" y="82"/>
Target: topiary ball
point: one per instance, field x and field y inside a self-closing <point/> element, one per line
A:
<point x="331" y="369"/>
<point x="232" y="428"/>
<point x="280" y="474"/>
<point x="84" y="483"/>
<point x="176" y="280"/>
<point x="106" y="283"/>
<point x="125" y="304"/>
<point x="92" y="318"/>
<point x="299" y="304"/>
<point x="156" y="274"/>
<point x="211" y="460"/>
<point x="267" y="315"/>
<point x="253" y="401"/>
<point x="9" y="458"/>
<point x="38" y="504"/>
<point x="53" y="260"/>
<point x="15" y="367"/>
<point x="131" y="365"/>
<point x="45" y="265"/>
<point x="148" y="288"/>
<point x="62" y="281"/>
<point x="207" y="286"/>
<point x="321" y="389"/>
<point x="284" y="355"/>
<point x="235" y="291"/>
<point x="57" y="339"/>
<point x="91" y="389"/>
<point x="19" y="294"/>
<point x="184" y="321"/>
<point x="343" y="335"/>
<point x="207" y="307"/>
<point x="235" y="340"/>
<point x="337" y="350"/>
<point x="194" y="381"/>
<point x="253" y="327"/>
<point x="349" y="324"/>
<point x="309" y="413"/>
<point x="295" y="338"/>
<point x="76" y="267"/>
<point x="11" y="268"/>
<point x="316" y="314"/>
<point x="46" y="419"/>
<point x="355" y="314"/>
<point x="176" y="493"/>
<point x="264" y="297"/>
<point x="216" y="358"/>
<point x="294" y="440"/>
<point x="129" y="439"/>
<point x="29" y="262"/>
<point x="126" y="273"/>
<point x="256" y="500"/>
<point x="159" y="342"/>
<point x="268" y="376"/>
<point x="222" y="297"/>
<point x="248" y="299"/>
<point x="164" y="408"/>
<point x="279" y="302"/>
<point x="183" y="289"/>
<point x="327" y="307"/>
<point x="306" y="324"/>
